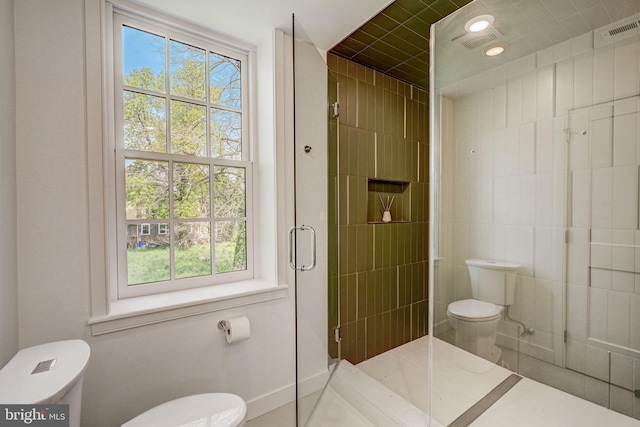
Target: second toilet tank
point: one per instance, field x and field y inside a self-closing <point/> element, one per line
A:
<point x="493" y="281"/>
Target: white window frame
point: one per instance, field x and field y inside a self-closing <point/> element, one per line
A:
<point x="109" y="312"/>
<point x="144" y="229"/>
<point x="127" y="18"/>
<point x="163" y="228"/>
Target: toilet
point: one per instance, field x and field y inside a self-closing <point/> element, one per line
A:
<point x="46" y="374"/>
<point x="476" y="319"/>
<point x="201" y="410"/>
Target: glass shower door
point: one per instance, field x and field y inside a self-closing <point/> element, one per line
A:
<point x="315" y="130"/>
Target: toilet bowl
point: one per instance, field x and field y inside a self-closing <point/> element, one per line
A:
<point x="476" y="325"/>
<point x="201" y="410"/>
<point x="46" y="374"/>
<point x="475" y="319"/>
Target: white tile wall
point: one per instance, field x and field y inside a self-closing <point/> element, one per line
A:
<point x="598" y="313"/>
<point x="625" y="197"/>
<point x="583" y="80"/>
<point x="545" y="89"/>
<point x="530" y="97"/>
<point x="602" y="199"/>
<point x="626" y="69"/>
<point x="514" y="102"/>
<point x="511" y="204"/>
<point x="527" y="156"/>
<point x="603" y="74"/>
<point x="626" y="138"/>
<point x="544" y="146"/>
<point x="564" y="86"/>
<point x="619" y="321"/>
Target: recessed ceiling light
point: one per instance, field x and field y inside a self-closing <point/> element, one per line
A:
<point x="495" y="50"/>
<point x="479" y="23"/>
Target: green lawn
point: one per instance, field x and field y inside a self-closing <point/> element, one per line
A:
<point x="152" y="264"/>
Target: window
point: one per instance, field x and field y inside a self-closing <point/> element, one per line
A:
<point x="181" y="165"/>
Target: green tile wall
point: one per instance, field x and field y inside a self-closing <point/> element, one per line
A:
<point x="380" y="274"/>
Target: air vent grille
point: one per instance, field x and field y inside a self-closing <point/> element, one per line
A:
<point x="623" y="28"/>
<point x="474" y="40"/>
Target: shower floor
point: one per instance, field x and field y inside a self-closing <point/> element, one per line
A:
<point x="399" y="392"/>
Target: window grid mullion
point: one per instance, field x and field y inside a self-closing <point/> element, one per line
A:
<point x="212" y="222"/>
<point x="172" y="240"/>
<point x="167" y="89"/>
<point x="172" y="159"/>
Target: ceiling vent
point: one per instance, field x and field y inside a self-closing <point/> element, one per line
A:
<point x="621" y="29"/>
<point x="474" y="40"/>
<point x="616" y="31"/>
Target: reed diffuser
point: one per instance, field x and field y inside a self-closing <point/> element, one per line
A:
<point x="386" y="208"/>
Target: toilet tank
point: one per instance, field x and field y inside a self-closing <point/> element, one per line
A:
<point x="493" y="281"/>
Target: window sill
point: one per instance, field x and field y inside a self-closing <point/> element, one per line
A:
<point x="146" y="310"/>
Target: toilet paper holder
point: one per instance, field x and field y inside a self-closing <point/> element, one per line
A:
<point x="223" y="325"/>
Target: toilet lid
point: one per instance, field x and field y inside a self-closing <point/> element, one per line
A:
<point x="474" y="309"/>
<point x="201" y="410"/>
<point x="22" y="383"/>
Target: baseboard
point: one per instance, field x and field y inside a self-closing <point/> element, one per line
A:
<point x="287" y="394"/>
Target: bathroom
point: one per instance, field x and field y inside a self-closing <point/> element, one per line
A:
<point x="45" y="291"/>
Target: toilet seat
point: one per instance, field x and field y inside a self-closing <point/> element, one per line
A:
<point x="472" y="310"/>
<point x="206" y="410"/>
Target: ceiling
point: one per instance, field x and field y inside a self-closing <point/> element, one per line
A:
<point x="396" y="41"/>
<point x="253" y="21"/>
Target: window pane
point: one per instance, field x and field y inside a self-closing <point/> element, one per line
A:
<point x="225" y="81"/>
<point x="193" y="249"/>
<point x="187" y="70"/>
<point x="147" y="189"/>
<point x="226" y="134"/>
<point x="231" y="246"/>
<point x="188" y="128"/>
<point x="191" y="196"/>
<point x="148" y="257"/>
<point x="143" y="59"/>
<point x="144" y="122"/>
<point x="229" y="192"/>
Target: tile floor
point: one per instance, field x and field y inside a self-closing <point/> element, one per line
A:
<point x="460" y="380"/>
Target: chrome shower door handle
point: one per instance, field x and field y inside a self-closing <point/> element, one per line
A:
<point x="292" y="261"/>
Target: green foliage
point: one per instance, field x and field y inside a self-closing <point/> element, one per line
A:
<point x="148" y="182"/>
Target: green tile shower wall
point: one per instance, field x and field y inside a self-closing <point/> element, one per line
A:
<point x="380" y="275"/>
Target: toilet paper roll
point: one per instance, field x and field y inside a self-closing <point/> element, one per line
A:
<point x="239" y="329"/>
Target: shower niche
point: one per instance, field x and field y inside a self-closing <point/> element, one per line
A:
<point x="396" y="195"/>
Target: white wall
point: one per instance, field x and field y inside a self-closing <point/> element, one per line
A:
<point x="133" y="370"/>
<point x="8" y="268"/>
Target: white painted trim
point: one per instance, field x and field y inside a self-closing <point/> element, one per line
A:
<point x="282" y="396"/>
<point x="147" y="310"/>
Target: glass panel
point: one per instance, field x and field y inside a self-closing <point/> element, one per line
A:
<point x="144" y="122"/>
<point x="147" y="189"/>
<point x="538" y="150"/>
<point x="143" y="58"/>
<point x="231" y="246"/>
<point x="187" y="70"/>
<point x="225" y="81"/>
<point x="188" y="128"/>
<point x="313" y="150"/>
<point x="191" y="197"/>
<point x="148" y="257"/>
<point x="193" y="249"/>
<point x="229" y="192"/>
<point x="226" y="134"/>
